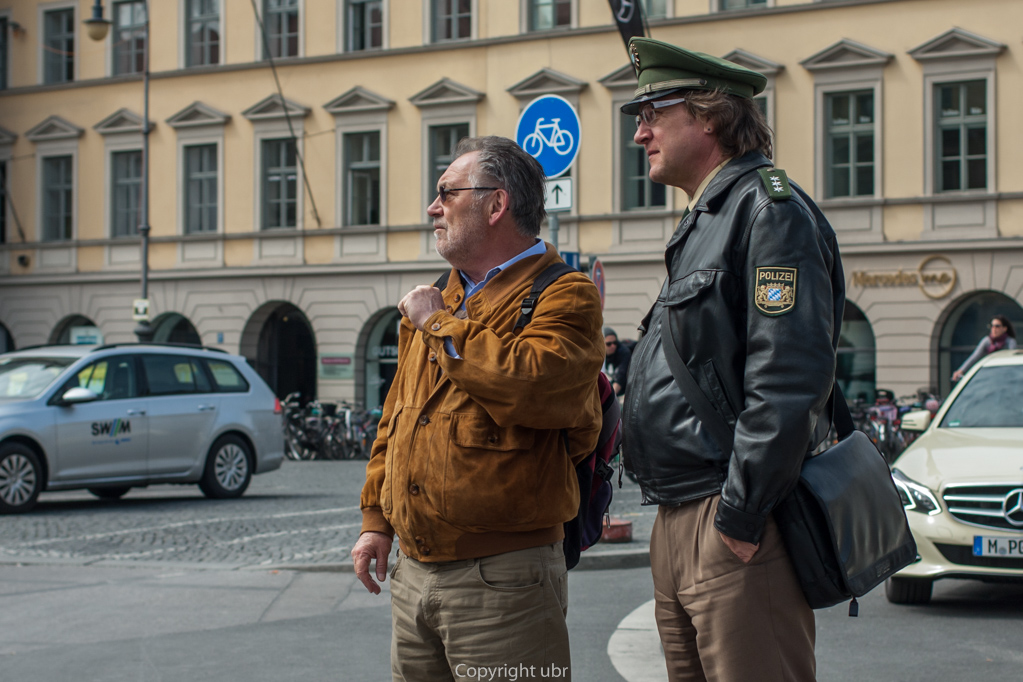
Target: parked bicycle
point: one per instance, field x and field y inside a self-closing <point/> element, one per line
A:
<point x="299" y="442"/>
<point x="351" y="433"/>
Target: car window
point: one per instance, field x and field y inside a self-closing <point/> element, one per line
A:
<point x="993" y="398"/>
<point x="174" y="374"/>
<point x="227" y="377"/>
<point x="25" y="378"/>
<point x="110" y="378"/>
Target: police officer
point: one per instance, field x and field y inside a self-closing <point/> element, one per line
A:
<point x="751" y="312"/>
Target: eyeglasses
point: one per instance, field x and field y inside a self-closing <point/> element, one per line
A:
<point x="610" y="343"/>
<point x="444" y="192"/>
<point x="996" y="324"/>
<point x="649" y="116"/>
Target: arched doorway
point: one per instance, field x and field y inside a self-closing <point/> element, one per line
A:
<point x="75" y="329"/>
<point x="965" y="325"/>
<point x="6" y="340"/>
<point x="378" y="347"/>
<point x="175" y="328"/>
<point x="278" y="342"/>
<point x="856" y="369"/>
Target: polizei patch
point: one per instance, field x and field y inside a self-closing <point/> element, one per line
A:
<point x="775" y="291"/>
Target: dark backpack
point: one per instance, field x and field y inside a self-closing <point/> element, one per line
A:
<point x="594" y="472"/>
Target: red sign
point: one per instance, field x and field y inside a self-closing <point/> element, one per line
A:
<point x="597" y="275"/>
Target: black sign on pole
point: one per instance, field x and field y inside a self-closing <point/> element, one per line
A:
<point x="628" y="15"/>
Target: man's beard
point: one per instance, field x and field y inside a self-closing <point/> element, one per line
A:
<point x="468" y="242"/>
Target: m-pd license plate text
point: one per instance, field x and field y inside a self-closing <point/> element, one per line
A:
<point x="1004" y="547"/>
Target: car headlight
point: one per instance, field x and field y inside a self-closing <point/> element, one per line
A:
<point x="915" y="497"/>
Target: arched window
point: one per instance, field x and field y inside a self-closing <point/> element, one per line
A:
<point x="175" y="328"/>
<point x="75" y="329"/>
<point x="6" y="340"/>
<point x="856" y="369"/>
<point x="966" y="325"/>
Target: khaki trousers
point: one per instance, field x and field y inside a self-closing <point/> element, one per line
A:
<point x="721" y="620"/>
<point x="497" y="618"/>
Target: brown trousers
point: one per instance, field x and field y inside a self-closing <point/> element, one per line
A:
<point x="721" y="620"/>
<point x="499" y="618"/>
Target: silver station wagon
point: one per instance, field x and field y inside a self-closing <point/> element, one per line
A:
<point x="114" y="417"/>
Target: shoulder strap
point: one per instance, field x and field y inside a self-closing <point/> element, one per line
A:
<point x="543" y="280"/>
<point x="711" y="419"/>
<point x="442" y="281"/>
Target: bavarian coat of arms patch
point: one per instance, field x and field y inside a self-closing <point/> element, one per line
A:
<point x="775" y="290"/>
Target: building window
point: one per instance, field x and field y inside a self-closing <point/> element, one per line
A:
<point x="849" y="160"/>
<point x="125" y="190"/>
<point x="3" y="52"/>
<point x="280" y="184"/>
<point x="443" y="140"/>
<point x="638" y="190"/>
<point x="452" y="19"/>
<point x="365" y="24"/>
<point x="655" y="9"/>
<point x="203" y="32"/>
<point x="547" y="14"/>
<point x="129" y="37"/>
<point x="201" y="188"/>
<point x="362" y="178"/>
<point x="3" y="202"/>
<point x="58" y="46"/>
<point x="280" y="21"/>
<point x="58" y="190"/>
<point x="961" y="111"/>
<point x="742" y="4"/>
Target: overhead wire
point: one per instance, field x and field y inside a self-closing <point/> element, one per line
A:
<point x="287" y="114"/>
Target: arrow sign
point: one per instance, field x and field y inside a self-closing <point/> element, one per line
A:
<point x="559" y="195"/>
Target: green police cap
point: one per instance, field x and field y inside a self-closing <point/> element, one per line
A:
<point x="663" y="68"/>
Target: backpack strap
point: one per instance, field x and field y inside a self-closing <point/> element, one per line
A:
<point x="442" y="281"/>
<point x="543" y="280"/>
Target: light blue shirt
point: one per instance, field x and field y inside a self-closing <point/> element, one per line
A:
<point x="471" y="288"/>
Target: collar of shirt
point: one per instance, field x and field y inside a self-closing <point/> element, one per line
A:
<point x="537" y="249"/>
<point x="703" y="185"/>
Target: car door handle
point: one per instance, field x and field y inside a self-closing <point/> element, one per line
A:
<point x="207" y="408"/>
<point x="136" y="413"/>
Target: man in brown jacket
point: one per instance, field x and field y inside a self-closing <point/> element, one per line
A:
<point x="474" y="465"/>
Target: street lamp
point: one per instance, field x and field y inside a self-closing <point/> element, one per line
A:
<point x="97" y="28"/>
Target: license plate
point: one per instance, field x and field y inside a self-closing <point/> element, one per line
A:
<point x="1004" y="547"/>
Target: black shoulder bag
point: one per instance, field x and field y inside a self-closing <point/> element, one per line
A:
<point x="843" y="525"/>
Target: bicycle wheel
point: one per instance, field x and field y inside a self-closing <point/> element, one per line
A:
<point x="533" y="144"/>
<point x="562" y="142"/>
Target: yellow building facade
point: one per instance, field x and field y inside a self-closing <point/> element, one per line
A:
<point x="295" y="144"/>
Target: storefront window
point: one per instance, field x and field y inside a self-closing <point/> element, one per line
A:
<point x="381" y="359"/>
<point x="856" y="370"/>
<point x="966" y="326"/>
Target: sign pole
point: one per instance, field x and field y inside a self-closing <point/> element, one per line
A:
<point x="552" y="220"/>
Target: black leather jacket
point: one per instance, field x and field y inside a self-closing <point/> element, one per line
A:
<point x="769" y="375"/>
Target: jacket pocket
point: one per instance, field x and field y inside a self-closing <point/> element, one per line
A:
<point x="489" y="475"/>
<point x="716" y="391"/>
<point x="386" y="498"/>
<point x="689" y="287"/>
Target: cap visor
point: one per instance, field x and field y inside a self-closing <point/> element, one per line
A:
<point x="632" y="107"/>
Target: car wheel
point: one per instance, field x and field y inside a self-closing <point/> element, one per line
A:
<point x="908" y="590"/>
<point x="114" y="493"/>
<point x="228" y="468"/>
<point x="21" y="478"/>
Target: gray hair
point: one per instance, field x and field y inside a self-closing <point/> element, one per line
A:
<point x="504" y="164"/>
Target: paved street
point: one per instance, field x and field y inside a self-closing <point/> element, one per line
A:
<point x="166" y="585"/>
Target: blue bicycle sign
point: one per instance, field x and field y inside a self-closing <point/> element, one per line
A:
<point x="548" y="130"/>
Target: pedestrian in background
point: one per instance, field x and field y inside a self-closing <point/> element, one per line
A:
<point x="473" y="468"/>
<point x="616" y="361"/>
<point x="752" y="308"/>
<point x="1000" y="336"/>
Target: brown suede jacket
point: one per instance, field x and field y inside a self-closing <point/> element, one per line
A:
<point x="471" y="456"/>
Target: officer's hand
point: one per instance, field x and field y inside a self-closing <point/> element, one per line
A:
<point x="957" y="375"/>
<point x="743" y="550"/>
<point x="420" y="303"/>
<point x="371" y="545"/>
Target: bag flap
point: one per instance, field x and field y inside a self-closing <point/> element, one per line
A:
<point x="854" y="487"/>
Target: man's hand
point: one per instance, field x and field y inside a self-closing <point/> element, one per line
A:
<point x="371" y="545"/>
<point x="420" y="303"/>
<point x="743" y="550"/>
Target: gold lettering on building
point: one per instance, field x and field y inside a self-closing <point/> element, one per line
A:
<point x="935" y="276"/>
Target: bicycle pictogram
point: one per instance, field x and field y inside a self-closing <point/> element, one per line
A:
<point x="561" y="141"/>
